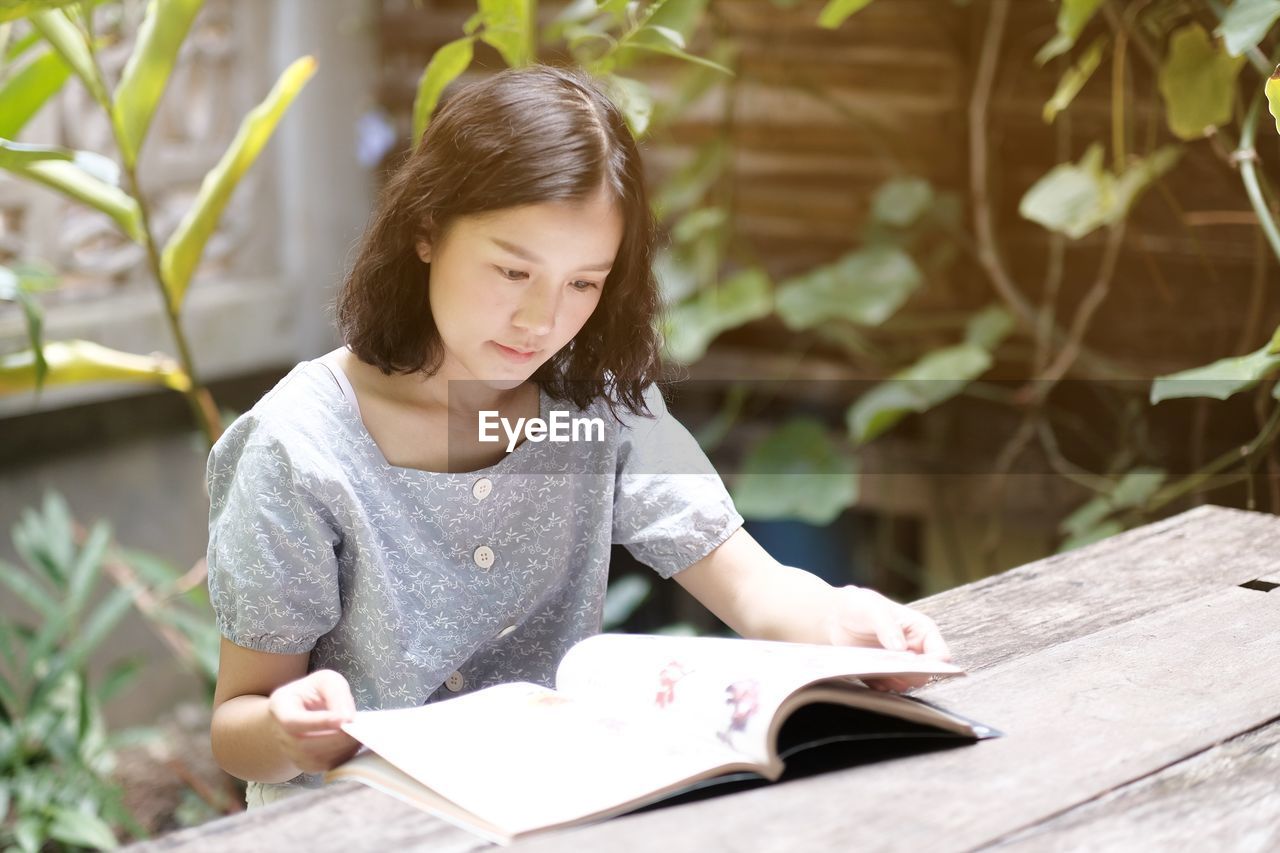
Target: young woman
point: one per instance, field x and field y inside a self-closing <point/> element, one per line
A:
<point x="367" y="549"/>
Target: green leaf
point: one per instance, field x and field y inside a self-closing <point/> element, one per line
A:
<point x="634" y="99"/>
<point x="680" y="54"/>
<point x="1220" y="380"/>
<point x="443" y="68"/>
<point x="182" y="252"/>
<point x="935" y="378"/>
<point x="1073" y="16"/>
<point x="836" y="12"/>
<point x="87" y="568"/>
<point x="622" y="598"/>
<point x="508" y="28"/>
<point x="866" y="287"/>
<point x="147" y="72"/>
<point x="100" y="623"/>
<point x="989" y="327"/>
<point x="1074" y="80"/>
<point x="82" y="175"/>
<point x="77" y="362"/>
<point x="26" y="91"/>
<point x="686" y="187"/>
<point x="31" y="592"/>
<point x="20" y="287"/>
<point x="1094" y="534"/>
<point x="1198" y="82"/>
<point x="796" y="472"/>
<point x="693" y="324"/>
<point x="70" y="44"/>
<point x="902" y="201"/>
<point x="1075" y="199"/>
<point x="1137" y="487"/>
<point x="73" y="826"/>
<point x="1246" y="23"/>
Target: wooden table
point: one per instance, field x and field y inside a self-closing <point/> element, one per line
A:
<point x="1137" y="681"/>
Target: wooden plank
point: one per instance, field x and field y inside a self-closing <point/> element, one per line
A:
<point x="1225" y="798"/>
<point x="347" y="816"/>
<point x="1081" y="718"/>
<point x="1069" y="596"/>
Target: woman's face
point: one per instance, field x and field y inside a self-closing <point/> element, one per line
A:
<point x="509" y="289"/>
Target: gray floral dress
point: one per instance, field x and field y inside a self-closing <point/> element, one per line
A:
<point x="418" y="586"/>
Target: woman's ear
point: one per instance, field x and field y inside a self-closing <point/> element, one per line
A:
<point x="423" y="247"/>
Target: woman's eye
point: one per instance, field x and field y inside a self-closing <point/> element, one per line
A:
<point x="510" y="274"/>
<point x="585" y="285"/>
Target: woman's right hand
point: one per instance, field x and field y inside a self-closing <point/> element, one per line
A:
<point x="308" y="715"/>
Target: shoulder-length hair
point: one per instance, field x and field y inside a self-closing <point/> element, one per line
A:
<point x="523" y="136"/>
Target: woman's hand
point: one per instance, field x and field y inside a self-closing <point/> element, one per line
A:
<point x="864" y="617"/>
<point x="308" y="715"/>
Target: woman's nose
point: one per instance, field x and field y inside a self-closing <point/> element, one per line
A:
<point x="536" y="313"/>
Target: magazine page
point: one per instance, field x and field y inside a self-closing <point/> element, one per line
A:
<point x="522" y="757"/>
<point x="720" y="689"/>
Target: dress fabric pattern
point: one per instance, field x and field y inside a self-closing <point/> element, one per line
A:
<point x="317" y="544"/>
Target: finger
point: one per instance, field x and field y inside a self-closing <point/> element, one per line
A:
<point x="335" y="693"/>
<point x="924" y="637"/>
<point x="888" y="631"/>
<point x="313" y="723"/>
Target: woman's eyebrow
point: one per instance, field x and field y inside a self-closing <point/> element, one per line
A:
<point x="530" y="256"/>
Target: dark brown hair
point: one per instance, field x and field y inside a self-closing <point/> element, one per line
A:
<point x="523" y="136"/>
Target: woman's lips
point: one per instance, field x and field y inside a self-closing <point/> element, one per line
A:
<point x="515" y="355"/>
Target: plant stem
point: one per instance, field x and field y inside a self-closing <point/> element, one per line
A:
<point x="198" y="397"/>
<point x="1247" y="157"/>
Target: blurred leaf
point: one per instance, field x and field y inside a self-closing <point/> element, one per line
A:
<point x="989" y="327"/>
<point x="78" y="174"/>
<point x="27" y="589"/>
<point x="866" y="286"/>
<point x="1198" y="82"/>
<point x="634" y="100"/>
<point x="147" y="72"/>
<point x="508" y="28"/>
<point x="689" y="183"/>
<point x="692" y="325"/>
<point x="1093" y="534"/>
<point x="76" y="362"/>
<point x="70" y="44"/>
<point x="1073" y="16"/>
<point x="622" y="598"/>
<point x="182" y="252"/>
<point x="934" y="379"/>
<point x="1219" y="380"/>
<point x="20" y="285"/>
<point x="1090" y="522"/>
<point x="26" y="91"/>
<point x="1077" y="199"/>
<point x="1246" y="23"/>
<point x="902" y="201"/>
<point x="696" y="223"/>
<point x="1075" y="79"/>
<point x="836" y="12"/>
<point x="443" y="68"/>
<point x="73" y="826"/>
<point x="797" y="472"/>
<point x="118" y="677"/>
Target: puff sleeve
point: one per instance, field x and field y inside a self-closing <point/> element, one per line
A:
<point x="273" y="569"/>
<point x="670" y="507"/>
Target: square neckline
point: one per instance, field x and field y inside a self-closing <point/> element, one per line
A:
<point x="366" y="438"/>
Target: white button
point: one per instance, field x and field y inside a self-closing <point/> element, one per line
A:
<point x="454" y="682"/>
<point x="483" y="556"/>
<point x="505" y="631"/>
<point x="482" y="488"/>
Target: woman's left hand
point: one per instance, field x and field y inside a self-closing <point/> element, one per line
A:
<point x="864" y="617"/>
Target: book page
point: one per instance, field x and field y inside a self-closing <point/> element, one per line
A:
<point x="719" y="689"/>
<point x="521" y="757"/>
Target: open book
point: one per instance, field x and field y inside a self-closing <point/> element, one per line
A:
<point x="635" y="719"/>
